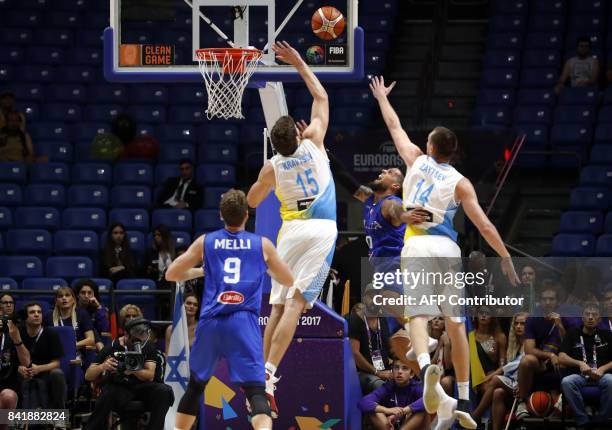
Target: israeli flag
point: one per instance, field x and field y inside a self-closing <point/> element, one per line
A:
<point x="177" y="366"/>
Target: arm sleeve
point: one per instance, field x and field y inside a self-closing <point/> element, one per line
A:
<point x="369" y="402"/>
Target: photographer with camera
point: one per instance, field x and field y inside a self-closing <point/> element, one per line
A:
<point x="127" y="369"/>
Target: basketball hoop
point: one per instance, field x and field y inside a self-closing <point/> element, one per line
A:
<point x="226" y="72"/>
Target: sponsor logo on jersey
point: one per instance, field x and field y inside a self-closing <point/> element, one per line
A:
<point x="231" y="298"/>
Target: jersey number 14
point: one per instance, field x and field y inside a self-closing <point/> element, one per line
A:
<point x="422" y="197"/>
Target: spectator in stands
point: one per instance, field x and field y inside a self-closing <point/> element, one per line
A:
<point x="528" y="275"/>
<point x="181" y="192"/>
<point x="586" y="352"/>
<point x="88" y="294"/>
<point x="120" y="386"/>
<point x="15" y="142"/>
<point x="442" y="354"/>
<point x="159" y="256"/>
<point x="117" y="261"/>
<point x="192" y="312"/>
<point x="369" y="337"/>
<point x="544" y="332"/>
<point x="7" y="104"/>
<point x="582" y="70"/>
<point x="489" y="343"/>
<point x="503" y="384"/>
<point x="398" y="403"/>
<point x="13" y="353"/>
<point x="7" y="304"/>
<point x="45" y="350"/>
<point x="128" y="312"/>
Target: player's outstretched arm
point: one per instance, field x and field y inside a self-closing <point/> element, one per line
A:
<point x="406" y="149"/>
<point x="262" y="187"/>
<point x="393" y="212"/>
<point x="182" y="269"/>
<point x="319" y="116"/>
<point x="466" y="194"/>
<point x="277" y="268"/>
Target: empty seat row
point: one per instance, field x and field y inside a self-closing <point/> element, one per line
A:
<point x="582" y="245"/>
<point x="593" y="222"/>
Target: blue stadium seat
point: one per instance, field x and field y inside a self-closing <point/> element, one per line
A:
<point x="105" y="285"/>
<point x="37" y="217"/>
<point x="601" y="154"/>
<point x="506" y="23"/>
<point x="353" y="96"/>
<point x="217" y="152"/>
<point x="173" y="152"/>
<point x="502" y="58"/>
<point x="249" y="134"/>
<point x="573" y="245"/>
<point x="47" y="55"/>
<point x="512" y="7"/>
<point x="76" y="242"/>
<point x="16" y="36"/>
<point x="574" y="114"/>
<point x="29" y="92"/>
<point x="55" y="37"/>
<point x="216" y="174"/>
<point x="131" y="196"/>
<point x="20" y="267"/>
<point x="149" y="94"/>
<point x="101" y="112"/>
<point x="154" y="114"/>
<point x="165" y="171"/>
<point x="604" y="246"/>
<point x="378" y="22"/>
<point x="69" y="267"/>
<point x="186" y="114"/>
<point x="6" y="218"/>
<point x="605" y="115"/>
<point x="31" y="110"/>
<point x="51" y="284"/>
<point x="10" y="195"/>
<point x="581" y="222"/>
<point x="28" y="242"/>
<point x="536" y="135"/>
<point x="499" y="78"/>
<point x="88" y="196"/>
<point x="108" y="93"/>
<point x="532" y="115"/>
<point x="45" y="195"/>
<point x="50" y="131"/>
<point x="583" y="96"/>
<point x="13" y="171"/>
<point x="144" y="301"/>
<point x="88" y="130"/>
<point x="588" y="6"/>
<point x="175" y="133"/>
<point x="84" y="219"/>
<point x="181" y="239"/>
<point x="56" y="151"/>
<point x="132" y="219"/>
<point x="7" y="73"/>
<point x="603" y="134"/>
<point x="136" y="284"/>
<point x="12" y="55"/>
<point x="571" y="134"/>
<point x="544" y="40"/>
<point x="88" y="56"/>
<point x="596" y="175"/>
<point x="45" y="173"/>
<point x="38" y="73"/>
<point x="62" y="112"/>
<point x="547" y="22"/>
<point x="212" y="196"/>
<point x="590" y="198"/>
<point x="541" y="58"/>
<point x="8" y="284"/>
<point x="586" y="23"/>
<point x="81" y="74"/>
<point x="608" y="223"/>
<point x="92" y="173"/>
<point x="546" y="7"/>
<point x="540" y="97"/>
<point x="174" y="219"/>
<point x="63" y="19"/>
<point x="218" y="132"/>
<point x="190" y="94"/>
<point x="207" y="220"/>
<point x="485" y="116"/>
<point x="133" y="173"/>
<point x="539" y="78"/>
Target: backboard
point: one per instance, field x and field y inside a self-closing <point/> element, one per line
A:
<point x="156" y="40"/>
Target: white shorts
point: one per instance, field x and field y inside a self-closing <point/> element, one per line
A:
<point x="433" y="254"/>
<point x="307" y="246"/>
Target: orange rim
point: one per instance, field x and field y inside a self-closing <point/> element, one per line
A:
<point x="239" y="57"/>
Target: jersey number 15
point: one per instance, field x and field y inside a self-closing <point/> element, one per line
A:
<point x="314" y="186"/>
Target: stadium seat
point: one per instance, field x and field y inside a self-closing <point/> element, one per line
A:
<point x="136" y="284"/>
<point x="130" y="196"/>
<point x="547" y="22"/>
<point x="176" y="133"/>
<point x="532" y="115"/>
<point x="165" y="171"/>
<point x="601" y="154"/>
<point x="608" y="223"/>
<point x="571" y="135"/>
<point x="84" y="219"/>
<point x="108" y="93"/>
<point x="174" y="219"/>
<point x="211" y="132"/>
<point x="212" y="196"/>
<point x="37" y="73"/>
<point x="76" y="242"/>
<point x="49" y="173"/>
<point x="37" y="217"/>
<point x="499" y="78"/>
<point x="207" y="220"/>
<point x="353" y="96"/>
<point x="149" y="94"/>
<point x="182" y="239"/>
<point x="55" y="37"/>
<point x="80" y="74"/>
<point x="50" y="131"/>
<point x="220" y="153"/>
<point x="28" y="242"/>
<point x="499" y="97"/>
<point x="539" y="78"/>
<point x="6" y="218"/>
<point x="574" y="114"/>
<point x="10" y="195"/>
<point x="20" y="267"/>
<point x="502" y="59"/>
<point x="581" y="222"/>
<point x="186" y="114"/>
<point x="8" y="284"/>
<point x="45" y="195"/>
<point x="12" y="55"/>
<point x="173" y="152"/>
<point x="133" y="174"/>
<point x="132" y="219"/>
<point x="583" y="96"/>
<point x="189" y="94"/>
<point x="596" y="175"/>
<point x="88" y="196"/>
<point x="573" y="245"/>
<point x="69" y="267"/>
<point x="604" y="246"/>
<point x="514" y="7"/>
<point x="505" y="41"/>
<point x="506" y="23"/>
<point x="590" y="198"/>
<point x="32" y="92"/>
<point x="68" y="112"/>
<point x="56" y="151"/>
<point x="547" y="7"/>
<point x="86" y="131"/>
<point x="603" y="134"/>
<point x="596" y="7"/>
<point x="51" y="284"/>
<point x="154" y="114"/>
<point x="104" y="284"/>
<point x="101" y="112"/>
<point x="540" y="97"/>
<point x="92" y="173"/>
<point x="544" y="40"/>
<point x="216" y="174"/>
<point x="16" y="36"/>
<point x="88" y="56"/>
<point x="144" y="301"/>
<point x="605" y="115"/>
<point x="485" y="116"/>
<point x="13" y="171"/>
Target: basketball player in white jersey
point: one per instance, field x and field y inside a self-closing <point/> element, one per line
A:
<point x="300" y="175"/>
<point x="435" y="186"/>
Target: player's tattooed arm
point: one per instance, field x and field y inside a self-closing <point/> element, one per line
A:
<point x="262" y="187"/>
<point x="393" y="212"/>
<point x="183" y="268"/>
<point x="406" y="149"/>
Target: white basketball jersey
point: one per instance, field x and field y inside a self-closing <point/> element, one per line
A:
<point x="431" y="185"/>
<point x="304" y="184"/>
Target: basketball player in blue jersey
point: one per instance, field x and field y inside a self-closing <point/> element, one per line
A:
<point x="235" y="264"/>
<point x="435" y="186"/>
<point x="300" y="175"/>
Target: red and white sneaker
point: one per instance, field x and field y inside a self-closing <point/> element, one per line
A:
<point x="270" y="388"/>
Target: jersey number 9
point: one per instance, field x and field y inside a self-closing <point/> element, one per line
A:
<point x="231" y="266"/>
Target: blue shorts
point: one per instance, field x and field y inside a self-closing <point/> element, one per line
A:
<point x="235" y="336"/>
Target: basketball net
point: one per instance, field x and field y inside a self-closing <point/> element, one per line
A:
<point x="226" y="73"/>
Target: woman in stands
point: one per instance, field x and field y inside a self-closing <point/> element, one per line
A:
<point x="192" y="311"/>
<point x="160" y="255"/>
<point x="491" y="344"/>
<point x="501" y="388"/>
<point x="88" y="294"/>
<point x="117" y="260"/>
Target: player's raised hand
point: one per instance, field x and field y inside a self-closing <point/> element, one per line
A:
<point x="508" y="269"/>
<point x="377" y="85"/>
<point x="286" y="53"/>
<point x="301" y="126"/>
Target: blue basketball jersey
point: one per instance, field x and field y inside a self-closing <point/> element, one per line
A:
<point x="384" y="240"/>
<point x="234" y="272"/>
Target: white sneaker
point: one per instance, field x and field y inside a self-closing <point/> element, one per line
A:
<point x="431" y="396"/>
<point x="521" y="411"/>
<point x="431" y="347"/>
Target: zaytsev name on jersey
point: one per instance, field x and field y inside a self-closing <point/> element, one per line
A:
<point x="304" y="184"/>
<point x="431" y="185"/>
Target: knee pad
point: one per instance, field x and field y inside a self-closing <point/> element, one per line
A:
<point x="256" y="395"/>
<point x="189" y="403"/>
